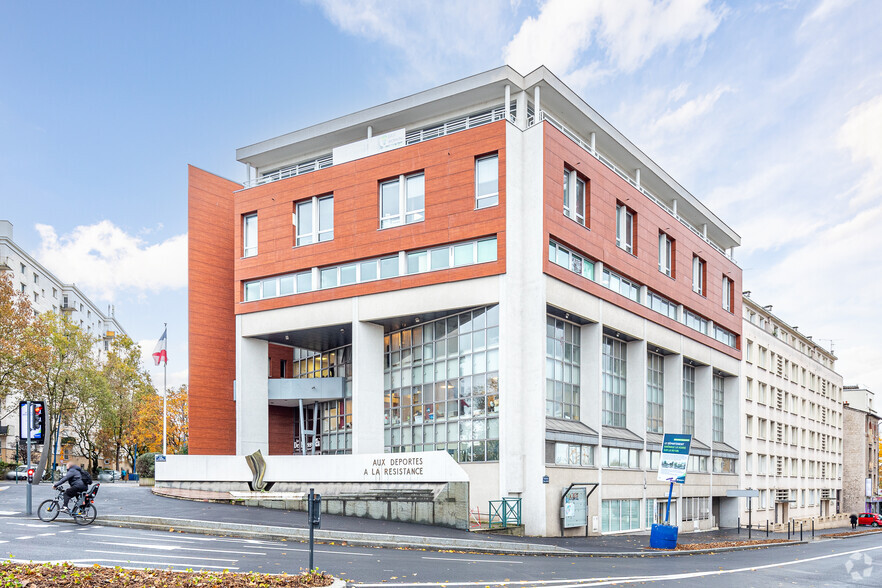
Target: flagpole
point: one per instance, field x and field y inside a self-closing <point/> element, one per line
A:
<point x="164" y="392"/>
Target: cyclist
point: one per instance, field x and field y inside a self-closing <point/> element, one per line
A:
<point x="75" y="477"/>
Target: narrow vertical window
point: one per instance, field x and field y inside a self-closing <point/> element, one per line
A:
<point x="655" y="393"/>
<point x="665" y="255"/>
<point x="574" y="197"/>
<point x="689" y="399"/>
<point x="625" y="228"/>
<point x="727" y="294"/>
<point x="718" y="408"/>
<point x="249" y="232"/>
<point x="487" y="181"/>
<point x="698" y="270"/>
<point x="615" y="389"/>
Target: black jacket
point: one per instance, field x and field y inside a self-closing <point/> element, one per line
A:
<point x="74" y="476"/>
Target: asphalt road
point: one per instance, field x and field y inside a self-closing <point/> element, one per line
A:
<point x="851" y="562"/>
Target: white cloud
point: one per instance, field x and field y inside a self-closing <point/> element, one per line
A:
<point x="433" y="39"/>
<point x="689" y="112"/>
<point x="103" y="260"/>
<point x="825" y="9"/>
<point x="860" y="136"/>
<point x="628" y="32"/>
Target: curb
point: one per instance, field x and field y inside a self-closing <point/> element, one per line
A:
<point x="394" y="541"/>
<point x="865" y="533"/>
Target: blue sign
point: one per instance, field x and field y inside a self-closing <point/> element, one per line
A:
<point x="159" y="458"/>
<point x="674" y="457"/>
<point x="545" y="479"/>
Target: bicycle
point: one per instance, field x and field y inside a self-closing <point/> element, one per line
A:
<point x="83" y="510"/>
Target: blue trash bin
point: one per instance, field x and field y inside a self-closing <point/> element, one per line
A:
<point x="663" y="537"/>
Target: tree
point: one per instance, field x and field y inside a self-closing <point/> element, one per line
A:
<point x="126" y="380"/>
<point x="147" y="433"/>
<point x="89" y="401"/>
<point x="22" y="339"/>
<point x="62" y="376"/>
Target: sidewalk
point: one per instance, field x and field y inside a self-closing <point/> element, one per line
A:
<point x="126" y="504"/>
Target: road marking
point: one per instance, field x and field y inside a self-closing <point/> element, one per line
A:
<point x="45" y="534"/>
<point x="581" y="582"/>
<point x="472" y="560"/>
<point x="167" y="556"/>
<point x="9" y="513"/>
<point x="144" y="538"/>
<point x="25" y="537"/>
<point x="67" y="531"/>
<point x="169" y="564"/>
<point x="174" y="547"/>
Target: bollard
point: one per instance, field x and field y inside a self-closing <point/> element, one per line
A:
<point x="813" y="528"/>
<point x="739" y="525"/>
<point x="767" y="527"/>
<point x="800" y="531"/>
<point x="788" y="530"/>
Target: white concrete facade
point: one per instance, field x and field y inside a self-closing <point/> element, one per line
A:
<point x="792" y="423"/>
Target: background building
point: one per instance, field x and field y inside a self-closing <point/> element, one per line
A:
<point x="486" y="268"/>
<point x="46" y="293"/>
<point x="791" y="398"/>
<point x="860" y="480"/>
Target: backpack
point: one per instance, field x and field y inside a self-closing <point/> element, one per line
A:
<point x="87" y="479"/>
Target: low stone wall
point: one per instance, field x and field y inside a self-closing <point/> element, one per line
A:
<point x="443" y="503"/>
<point x="829" y="522"/>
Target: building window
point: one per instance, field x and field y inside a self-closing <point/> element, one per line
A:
<point x="574" y="262"/>
<point x="655" y="393"/>
<point x="698" y="269"/>
<point x="689" y="399"/>
<point x="283" y="368"/>
<point x="661" y="304"/>
<point x="724" y="336"/>
<point x="665" y="255"/>
<point x="620" y="515"/>
<point x="572" y="454"/>
<point x="616" y="457"/>
<point x="727" y="294"/>
<point x="562" y="379"/>
<point x="24" y="288"/>
<point x="724" y="465"/>
<point x="487" y="181"/>
<point x="718" y="408"/>
<point x="249" y="232"/>
<point x="615" y="372"/>
<point x="315" y="220"/>
<point x="36" y="278"/>
<point x="402" y="201"/>
<point x="574" y="197"/>
<point x="333" y="419"/>
<point x="441" y="382"/>
<point x="623" y="286"/>
<point x="693" y="321"/>
<point x="22" y="268"/>
<point x="54" y="293"/>
<point x="697" y="463"/>
<point x="696" y="508"/>
<point x="625" y="228"/>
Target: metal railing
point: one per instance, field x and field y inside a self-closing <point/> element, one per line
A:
<point x="449" y="127"/>
<point x="504" y="512"/>
<point x="622" y="174"/>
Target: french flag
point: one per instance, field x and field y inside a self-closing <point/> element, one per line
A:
<point x="159" y="353"/>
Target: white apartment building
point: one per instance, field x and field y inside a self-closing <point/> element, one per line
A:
<point x="791" y="399"/>
<point x="47" y="293"/>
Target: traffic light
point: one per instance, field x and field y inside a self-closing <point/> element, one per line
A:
<point x="31" y="475"/>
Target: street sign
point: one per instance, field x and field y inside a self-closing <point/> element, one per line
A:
<point x="674" y="457"/>
<point x="37" y="430"/>
<point x="575" y="508"/>
<point x="545" y="479"/>
<point x="742" y="493"/>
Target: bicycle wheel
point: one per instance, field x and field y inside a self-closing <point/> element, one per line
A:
<point x="48" y="510"/>
<point x="84" y="515"/>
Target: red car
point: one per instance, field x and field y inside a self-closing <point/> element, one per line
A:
<point x="869" y="518"/>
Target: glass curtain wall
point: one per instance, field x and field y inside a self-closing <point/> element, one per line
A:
<point x="442" y="386"/>
<point x="655" y="392"/>
<point x="562" y="379"/>
<point x="335" y="415"/>
<point x="718" y="408"/>
<point x="689" y="399"/>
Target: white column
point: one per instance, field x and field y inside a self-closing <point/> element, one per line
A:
<point x="674" y="206"/>
<point x="637" y="177"/>
<point x="252" y="394"/>
<point x="636" y="384"/>
<point x="521" y="118"/>
<point x="522" y="330"/>
<point x="643" y="295"/>
<point x="537" y="105"/>
<point x="507" y="99"/>
<point x="731" y="414"/>
<point x="370" y="131"/>
<point x="592" y="138"/>
<point x="591" y="403"/>
<point x="367" y="386"/>
<point x="673" y="393"/>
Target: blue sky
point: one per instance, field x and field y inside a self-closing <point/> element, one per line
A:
<point x="769" y="112"/>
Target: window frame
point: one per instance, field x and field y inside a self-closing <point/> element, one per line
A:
<point x="699" y="275"/>
<point x="400" y="219"/>
<point x="728" y="292"/>
<point x="494" y="197"/>
<point x="572" y="197"/>
<point x="316" y="234"/>
<point x="249" y="250"/>
<point x="665" y="254"/>
<point x="626" y="223"/>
